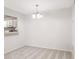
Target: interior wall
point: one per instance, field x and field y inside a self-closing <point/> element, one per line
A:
<point x="16" y="40"/>
<point x="53" y="31"/>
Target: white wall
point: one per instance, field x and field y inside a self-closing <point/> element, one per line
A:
<point x="54" y="30"/>
<point x="15" y="41"/>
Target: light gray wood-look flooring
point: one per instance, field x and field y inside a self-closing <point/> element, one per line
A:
<point x="38" y="53"/>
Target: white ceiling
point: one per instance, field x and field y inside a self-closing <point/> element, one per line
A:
<point x="26" y="6"/>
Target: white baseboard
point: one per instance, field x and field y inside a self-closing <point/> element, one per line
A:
<point x="38" y="47"/>
<point x="51" y="48"/>
<point x="62" y="49"/>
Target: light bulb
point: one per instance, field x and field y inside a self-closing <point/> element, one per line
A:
<point x="33" y="16"/>
<point x="39" y="16"/>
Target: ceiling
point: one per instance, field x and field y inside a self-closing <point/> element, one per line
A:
<point x="27" y="6"/>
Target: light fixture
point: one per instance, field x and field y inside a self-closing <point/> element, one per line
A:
<point x="36" y="14"/>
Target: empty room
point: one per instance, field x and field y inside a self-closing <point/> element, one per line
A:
<point x="39" y="29"/>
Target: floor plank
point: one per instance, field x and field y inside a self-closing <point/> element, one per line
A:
<point x="38" y="53"/>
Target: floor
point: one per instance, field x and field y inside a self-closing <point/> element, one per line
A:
<point x="37" y="53"/>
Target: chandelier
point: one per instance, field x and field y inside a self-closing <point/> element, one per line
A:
<point x="36" y="14"/>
